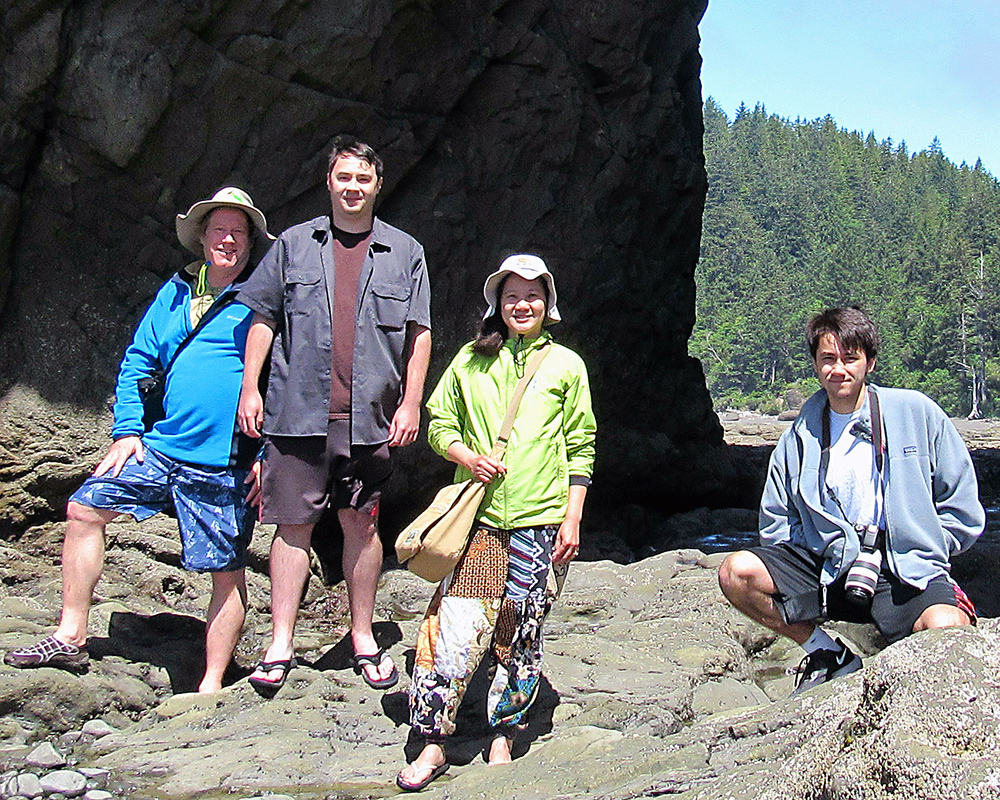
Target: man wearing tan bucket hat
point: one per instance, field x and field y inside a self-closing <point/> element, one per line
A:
<point x="192" y="457"/>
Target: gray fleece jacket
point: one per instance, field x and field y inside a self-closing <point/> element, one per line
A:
<point x="932" y="503"/>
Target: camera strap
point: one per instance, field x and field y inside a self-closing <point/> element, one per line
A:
<point x="877" y="438"/>
<point x="219" y="304"/>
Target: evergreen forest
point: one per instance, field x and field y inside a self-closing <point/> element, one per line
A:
<point x="803" y="215"/>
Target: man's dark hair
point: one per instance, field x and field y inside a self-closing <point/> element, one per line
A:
<point x="852" y="327"/>
<point x="345" y="144"/>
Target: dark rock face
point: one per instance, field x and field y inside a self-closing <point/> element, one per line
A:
<point x="569" y="129"/>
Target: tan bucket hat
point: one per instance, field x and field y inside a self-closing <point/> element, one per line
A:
<point x="528" y="267"/>
<point x="189" y="225"/>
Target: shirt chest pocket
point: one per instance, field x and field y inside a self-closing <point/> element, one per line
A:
<point x="303" y="290"/>
<point x="390" y="304"/>
<point x="912" y="457"/>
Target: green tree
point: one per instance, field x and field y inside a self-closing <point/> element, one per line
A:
<point x="801" y="215"/>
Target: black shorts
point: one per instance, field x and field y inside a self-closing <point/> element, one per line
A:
<point x="302" y="475"/>
<point x="894" y="609"/>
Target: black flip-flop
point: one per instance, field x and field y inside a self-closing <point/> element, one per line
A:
<point x="266" y="688"/>
<point x="375" y="660"/>
<point x="433" y="775"/>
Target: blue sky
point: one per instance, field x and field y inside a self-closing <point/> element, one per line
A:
<point x="908" y="70"/>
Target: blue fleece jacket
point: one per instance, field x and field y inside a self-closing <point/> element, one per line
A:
<point x="931" y="494"/>
<point x="203" y="386"/>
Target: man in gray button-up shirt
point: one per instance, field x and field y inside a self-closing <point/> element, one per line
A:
<point x="342" y="305"/>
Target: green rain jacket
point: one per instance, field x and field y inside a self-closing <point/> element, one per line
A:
<point x="553" y="438"/>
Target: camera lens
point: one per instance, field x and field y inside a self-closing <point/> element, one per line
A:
<point x="863" y="577"/>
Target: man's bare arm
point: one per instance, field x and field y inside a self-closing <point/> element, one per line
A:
<point x="250" y="412"/>
<point x="406" y="421"/>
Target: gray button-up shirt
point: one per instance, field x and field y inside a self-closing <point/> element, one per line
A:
<point x="293" y="287"/>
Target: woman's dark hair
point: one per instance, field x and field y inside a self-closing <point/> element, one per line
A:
<point x="492" y="331"/>
<point x="491" y="335"/>
<point x="851" y="326"/>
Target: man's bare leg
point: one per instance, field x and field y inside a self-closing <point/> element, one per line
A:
<point x="82" y="564"/>
<point x="362" y="567"/>
<point x="941" y="615"/>
<point x="289" y="573"/>
<point x="223" y="623"/>
<point x="747" y="584"/>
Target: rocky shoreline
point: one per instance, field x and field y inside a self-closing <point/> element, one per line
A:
<point x="654" y="687"/>
<point x="47" y="772"/>
<point x="752" y="429"/>
<point x="751" y="437"/>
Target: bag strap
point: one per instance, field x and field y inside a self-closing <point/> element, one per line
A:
<point x="213" y="310"/>
<point x="500" y="446"/>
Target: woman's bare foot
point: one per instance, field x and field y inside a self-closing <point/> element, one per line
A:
<point x="499" y="751"/>
<point x="429" y="765"/>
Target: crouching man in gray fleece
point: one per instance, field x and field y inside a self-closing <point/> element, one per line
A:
<point x="869" y="493"/>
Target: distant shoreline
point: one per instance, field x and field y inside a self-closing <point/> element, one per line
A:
<point x="749" y="428"/>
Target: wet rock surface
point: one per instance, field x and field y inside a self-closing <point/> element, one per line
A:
<point x="46" y="771"/>
<point x="653" y="687"/>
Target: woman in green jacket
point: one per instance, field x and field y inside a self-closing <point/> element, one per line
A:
<point x="528" y="526"/>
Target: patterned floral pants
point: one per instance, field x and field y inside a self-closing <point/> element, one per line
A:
<point x="496" y="599"/>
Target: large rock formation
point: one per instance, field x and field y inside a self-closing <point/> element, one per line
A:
<point x="572" y="129"/>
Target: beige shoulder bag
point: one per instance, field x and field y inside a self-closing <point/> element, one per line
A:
<point x="432" y="544"/>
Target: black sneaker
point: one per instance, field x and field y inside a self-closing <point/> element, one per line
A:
<point x="825" y="665"/>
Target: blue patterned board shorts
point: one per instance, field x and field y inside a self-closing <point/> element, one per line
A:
<point x="214" y="519"/>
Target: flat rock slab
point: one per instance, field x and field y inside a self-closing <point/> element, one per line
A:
<point x="653" y="687"/>
<point x="626" y="657"/>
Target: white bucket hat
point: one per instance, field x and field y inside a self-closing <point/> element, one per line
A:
<point x="528" y="267"/>
<point x="189" y="225"/>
